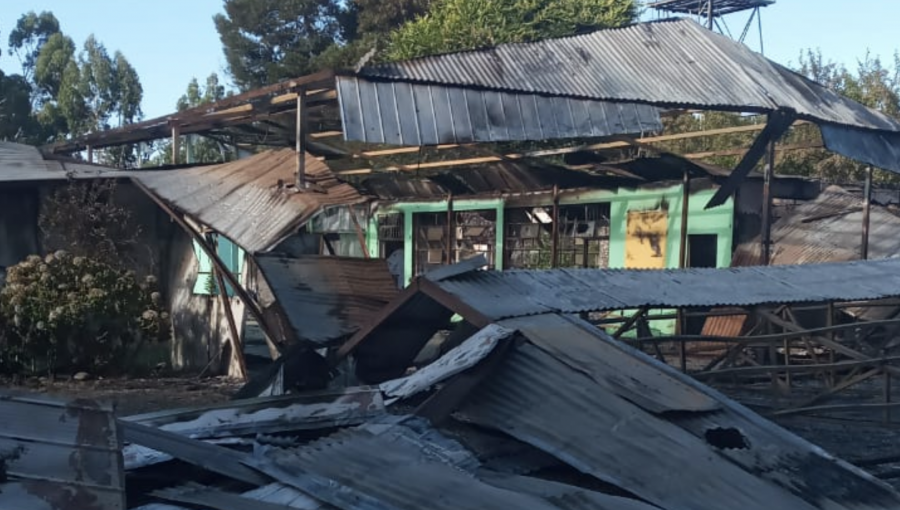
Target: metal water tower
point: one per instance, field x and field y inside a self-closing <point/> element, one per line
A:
<point x="712" y="13"/>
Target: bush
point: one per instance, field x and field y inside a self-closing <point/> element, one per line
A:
<point x="69" y="313"/>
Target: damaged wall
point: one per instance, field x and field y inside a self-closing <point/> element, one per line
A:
<point x="162" y="250"/>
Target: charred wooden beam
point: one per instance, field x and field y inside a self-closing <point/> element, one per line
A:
<point x="777" y="124"/>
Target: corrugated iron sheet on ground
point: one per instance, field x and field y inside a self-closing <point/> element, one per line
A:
<point x="58" y="455"/>
<point x="522" y="292"/>
<point x="327" y="298"/>
<point x="420" y="114"/>
<point x="664" y="63"/>
<point x="393" y="467"/>
<point x="251" y="201"/>
<point x="553" y="393"/>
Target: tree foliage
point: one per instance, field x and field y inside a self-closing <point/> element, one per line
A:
<point x="453" y="25"/>
<point x="70" y="92"/>
<point x="266" y="41"/>
<point x="64" y="313"/>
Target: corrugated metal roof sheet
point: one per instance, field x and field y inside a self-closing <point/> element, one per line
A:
<point x="24" y="163"/>
<point x="500" y="294"/>
<point x="395" y="467"/>
<point x="251" y="201"/>
<point x="418" y="114"/>
<point x="664" y="63"/>
<point x="59" y="455"/>
<point x="327" y="298"/>
<point x="828" y="229"/>
<point x="554" y="393"/>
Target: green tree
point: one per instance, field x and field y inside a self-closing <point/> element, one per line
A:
<point x="31" y="32"/>
<point x="16" y="122"/>
<point x="454" y="25"/>
<point x="202" y="149"/>
<point x="266" y="41"/>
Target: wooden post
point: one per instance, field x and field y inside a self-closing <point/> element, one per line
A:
<point x="709" y="15"/>
<point x="300" y="136"/>
<point x="685" y="209"/>
<point x="360" y="236"/>
<point x="867" y="198"/>
<point x="176" y="143"/>
<point x="90" y="154"/>
<point x="767" y="206"/>
<point x="887" y="396"/>
<point x="787" y="358"/>
<point x="829" y="321"/>
<point x="451" y="230"/>
<point x="554" y="229"/>
<point x="236" y="345"/>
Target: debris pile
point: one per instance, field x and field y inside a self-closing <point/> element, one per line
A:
<point x="539" y="412"/>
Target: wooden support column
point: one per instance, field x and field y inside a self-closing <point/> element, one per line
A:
<point x="887" y="396"/>
<point x="867" y="199"/>
<point x="237" y="346"/>
<point x="176" y="143"/>
<point x="777" y="124"/>
<point x="829" y="322"/>
<point x="451" y="230"/>
<point x="90" y="154"/>
<point x="361" y="237"/>
<point x="710" y="20"/>
<point x="682" y="263"/>
<point x="302" y="132"/>
<point x="766" y="234"/>
<point x="554" y="229"/>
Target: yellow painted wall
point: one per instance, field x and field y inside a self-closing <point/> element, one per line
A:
<point x="645" y="239"/>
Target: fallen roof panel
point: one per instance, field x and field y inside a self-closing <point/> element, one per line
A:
<point x="59" y="455"/>
<point x="664" y="63"/>
<point x="514" y="293"/>
<point x="398" y="467"/>
<point x="251" y="201"/>
<point x="327" y="298"/>
<point x="554" y="393"/>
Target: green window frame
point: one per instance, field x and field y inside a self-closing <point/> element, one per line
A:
<point x="231" y="255"/>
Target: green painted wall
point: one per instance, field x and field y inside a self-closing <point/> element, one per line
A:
<point x="718" y="221"/>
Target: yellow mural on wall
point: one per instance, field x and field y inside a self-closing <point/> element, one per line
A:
<point x="645" y="239"/>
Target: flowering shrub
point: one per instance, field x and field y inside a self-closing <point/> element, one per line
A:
<point x="65" y="312"/>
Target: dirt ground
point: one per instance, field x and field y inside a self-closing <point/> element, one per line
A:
<point x="136" y="396"/>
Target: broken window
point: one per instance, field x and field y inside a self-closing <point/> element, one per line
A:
<point x="431" y="243"/>
<point x="584" y="235"/>
<point x="529" y="238"/>
<point x="474" y="233"/>
<point x="232" y="257"/>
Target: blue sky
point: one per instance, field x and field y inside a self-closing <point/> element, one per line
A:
<point x="171" y="41"/>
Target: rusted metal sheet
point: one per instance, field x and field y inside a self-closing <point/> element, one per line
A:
<point x="430" y="114"/>
<point x="743" y="460"/>
<point x="328" y="298"/>
<point x="524" y="292"/>
<point x="59" y="455"/>
<point x="251" y="201"/>
<point x="669" y="63"/>
<point x="458" y="359"/>
<point x="271" y="415"/>
<point x="827" y="229"/>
